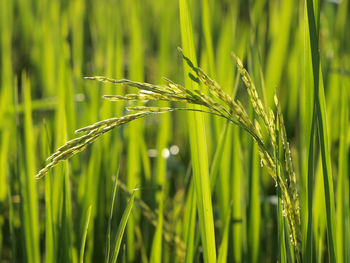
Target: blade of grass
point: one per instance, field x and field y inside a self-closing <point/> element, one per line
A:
<point x="319" y="214"/>
<point x="6" y="97"/>
<point x="164" y="134"/>
<point x="108" y="238"/>
<point x="30" y="215"/>
<point x="198" y="146"/>
<point x="327" y="171"/>
<point x="313" y="14"/>
<point x="121" y="228"/>
<point x="64" y="118"/>
<point x="237" y="197"/>
<point x="222" y="258"/>
<point x="307" y="158"/>
<point x="83" y="241"/>
<point x="189" y="223"/>
<point x="91" y="197"/>
<point x="217" y="164"/>
<point x="310" y="186"/>
<point x="135" y="129"/>
<point x="343" y="182"/>
<point x="50" y="236"/>
<point x="66" y="252"/>
<point x="50" y="248"/>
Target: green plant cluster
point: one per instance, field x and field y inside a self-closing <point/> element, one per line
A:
<point x="255" y="169"/>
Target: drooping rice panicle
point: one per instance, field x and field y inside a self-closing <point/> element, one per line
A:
<point x="256" y="102"/>
<point x="79" y="144"/>
<point x="290" y="196"/>
<point x="292" y="187"/>
<point x="218" y="103"/>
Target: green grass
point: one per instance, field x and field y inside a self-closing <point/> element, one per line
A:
<point x="199" y="152"/>
<point x="214" y="200"/>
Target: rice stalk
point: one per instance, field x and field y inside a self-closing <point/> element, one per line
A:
<point x="217" y="102"/>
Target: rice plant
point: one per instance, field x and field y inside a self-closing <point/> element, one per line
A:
<point x="189" y="156"/>
<point x="217" y="102"/>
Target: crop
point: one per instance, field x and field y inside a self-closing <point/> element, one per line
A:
<point x="230" y="158"/>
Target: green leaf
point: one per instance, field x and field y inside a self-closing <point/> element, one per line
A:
<point x="121" y="228"/>
<point x="198" y="145"/>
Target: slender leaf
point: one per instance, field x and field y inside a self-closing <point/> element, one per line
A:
<point x="83" y="240"/>
<point x="121" y="228"/>
<point x="198" y="146"/>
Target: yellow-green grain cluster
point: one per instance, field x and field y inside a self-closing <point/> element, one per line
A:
<point x="219" y="103"/>
<point x="207" y="190"/>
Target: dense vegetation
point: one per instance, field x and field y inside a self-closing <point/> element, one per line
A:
<point x="209" y="174"/>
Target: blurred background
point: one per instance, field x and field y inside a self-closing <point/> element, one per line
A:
<point x="47" y="47"/>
